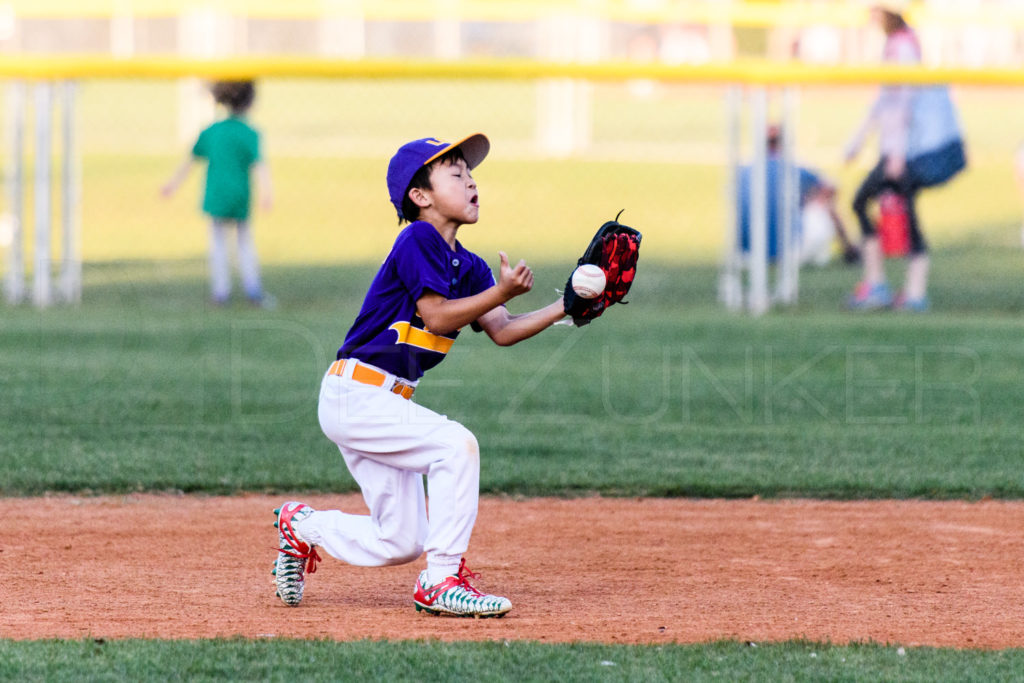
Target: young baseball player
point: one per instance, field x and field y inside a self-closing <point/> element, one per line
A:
<point x="427" y="290"/>
<point x="231" y="148"/>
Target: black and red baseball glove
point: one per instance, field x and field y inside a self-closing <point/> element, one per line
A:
<point x="615" y="249"/>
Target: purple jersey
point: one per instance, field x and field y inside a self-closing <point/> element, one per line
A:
<point x="388" y="332"/>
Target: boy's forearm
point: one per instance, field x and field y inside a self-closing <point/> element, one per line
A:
<point x="443" y="316"/>
<point x="525" y="325"/>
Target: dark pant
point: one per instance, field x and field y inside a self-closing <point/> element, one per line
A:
<point x="875" y="184"/>
<point x="927" y="170"/>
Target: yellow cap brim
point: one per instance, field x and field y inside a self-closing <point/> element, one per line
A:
<point x="474" y="148"/>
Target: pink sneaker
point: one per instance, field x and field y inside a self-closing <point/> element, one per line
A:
<point x="869" y="297"/>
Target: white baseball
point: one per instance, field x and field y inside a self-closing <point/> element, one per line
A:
<point x="588" y="281"/>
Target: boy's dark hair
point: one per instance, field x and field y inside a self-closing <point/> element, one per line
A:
<point x="235" y="95"/>
<point x="421" y="179"/>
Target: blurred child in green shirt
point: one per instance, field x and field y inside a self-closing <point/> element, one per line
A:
<point x="231" y="149"/>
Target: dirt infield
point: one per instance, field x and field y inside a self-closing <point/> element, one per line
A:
<point x="611" y="570"/>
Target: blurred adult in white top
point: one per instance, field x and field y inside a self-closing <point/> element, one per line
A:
<point x="920" y="145"/>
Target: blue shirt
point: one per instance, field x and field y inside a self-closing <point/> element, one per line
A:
<point x="933" y="121"/>
<point x="388" y="332"/>
<point x="808" y="182"/>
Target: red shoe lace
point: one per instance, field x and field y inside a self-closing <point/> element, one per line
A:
<point x="310" y="554"/>
<point x="311" y="557"/>
<point x="464" y="575"/>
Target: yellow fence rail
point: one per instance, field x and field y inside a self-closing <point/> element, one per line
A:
<point x="750" y="73"/>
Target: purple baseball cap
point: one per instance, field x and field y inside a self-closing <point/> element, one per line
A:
<point x="412" y="156"/>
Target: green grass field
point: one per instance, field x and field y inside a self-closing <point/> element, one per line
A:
<point x="218" y="660"/>
<point x="144" y="388"/>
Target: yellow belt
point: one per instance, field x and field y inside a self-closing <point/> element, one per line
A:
<point x="367" y="375"/>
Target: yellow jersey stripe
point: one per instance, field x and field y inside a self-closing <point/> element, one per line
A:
<point x="407" y="334"/>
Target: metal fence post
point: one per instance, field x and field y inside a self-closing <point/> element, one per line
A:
<point x="71" y="258"/>
<point x="42" y="294"/>
<point x="788" y="263"/>
<point x="730" y="285"/>
<point x="758" y="300"/>
<point x="15" y="186"/>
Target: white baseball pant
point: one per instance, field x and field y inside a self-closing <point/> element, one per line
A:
<point x="389" y="443"/>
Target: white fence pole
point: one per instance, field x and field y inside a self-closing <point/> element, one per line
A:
<point x="447" y="30"/>
<point x="42" y="294"/>
<point x="746" y="278"/>
<point x="555" y="96"/>
<point x="15" y="180"/>
<point x="342" y="29"/>
<point x="758" y="299"/>
<point x="206" y="34"/>
<point x="564" y="104"/>
<point x="730" y="284"/>
<point x="71" y="260"/>
<point x="788" y="263"/>
<point x="122" y="30"/>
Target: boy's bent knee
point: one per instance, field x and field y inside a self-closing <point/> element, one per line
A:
<point x="470" y="444"/>
<point x="462" y="442"/>
<point x="467" y="452"/>
<point x="401" y="550"/>
<point x="459" y="456"/>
